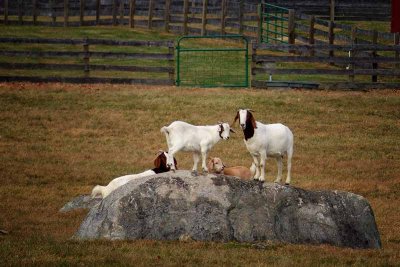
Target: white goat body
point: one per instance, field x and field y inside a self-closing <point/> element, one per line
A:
<point x="117" y="182"/>
<point x="266" y="140"/>
<point x="160" y="164"/>
<point x="182" y="136"/>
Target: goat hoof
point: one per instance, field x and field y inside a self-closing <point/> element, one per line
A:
<point x="286" y="184"/>
<point x="194" y="173"/>
<point x="205" y="173"/>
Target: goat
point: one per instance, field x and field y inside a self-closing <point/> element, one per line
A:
<point x="266" y="140"/>
<point x="215" y="165"/>
<point x="197" y="139"/>
<point x="160" y="164"/>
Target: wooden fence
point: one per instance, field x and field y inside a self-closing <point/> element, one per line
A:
<point x="185" y="17"/>
<point x="335" y="61"/>
<point x="154" y="63"/>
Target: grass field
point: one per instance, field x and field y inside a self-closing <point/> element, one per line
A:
<point x="57" y="141"/>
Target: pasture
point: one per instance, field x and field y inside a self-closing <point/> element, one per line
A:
<point x="58" y="140"/>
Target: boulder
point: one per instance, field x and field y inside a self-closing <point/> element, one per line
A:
<point x="172" y="206"/>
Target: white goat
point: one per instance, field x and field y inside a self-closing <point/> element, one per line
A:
<point x="266" y="140"/>
<point x="160" y="164"/>
<point x="197" y="139"/>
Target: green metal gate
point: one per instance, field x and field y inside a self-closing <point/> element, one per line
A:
<point x="274" y="23"/>
<point x="212" y="61"/>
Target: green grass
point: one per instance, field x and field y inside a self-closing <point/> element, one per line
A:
<point x="57" y="141"/>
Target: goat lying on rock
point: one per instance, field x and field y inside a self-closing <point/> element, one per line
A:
<point x="197" y="139"/>
<point x="266" y="140"/>
<point x="160" y="164"/>
<point x="215" y="165"/>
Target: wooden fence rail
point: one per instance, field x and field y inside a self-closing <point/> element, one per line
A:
<point x="86" y="55"/>
<point x="267" y="65"/>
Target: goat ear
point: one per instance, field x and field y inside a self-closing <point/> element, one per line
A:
<point x="252" y="120"/>
<point x="157" y="161"/>
<point x="236" y="118"/>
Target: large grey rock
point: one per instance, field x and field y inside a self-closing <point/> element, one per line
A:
<point x="170" y="206"/>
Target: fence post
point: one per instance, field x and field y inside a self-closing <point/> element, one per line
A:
<point x="167" y="14"/>
<point x="352" y="52"/>
<point x="66" y="13"/>
<point x="151" y="9"/>
<point x="260" y="22"/>
<point x="223" y="16"/>
<point x="331" y="37"/>
<point x="5" y="12"/>
<point x="171" y="74"/>
<point x="311" y="33"/>
<point x="204" y="18"/>
<point x="34" y="15"/>
<point x="97" y="12"/>
<point x="20" y="20"/>
<point x="185" y="16"/>
<point x="121" y="12"/>
<point x="114" y="12"/>
<point x="86" y="57"/>
<point x="332" y="10"/>
<point x="132" y="9"/>
<point x="53" y="12"/>
<point x="396" y="54"/>
<point x="193" y="13"/>
<point x="253" y="61"/>
<point x="82" y="12"/>
<point x="374" y="55"/>
<point x="291" y="28"/>
<point x="241" y="11"/>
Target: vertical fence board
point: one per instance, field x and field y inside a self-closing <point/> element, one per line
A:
<point x="241" y="13"/>
<point x="311" y="33"/>
<point x="20" y="8"/>
<point x="34" y="12"/>
<point x="223" y="16"/>
<point x="374" y="78"/>
<point x="132" y="9"/>
<point x="185" y="16"/>
<point x="167" y="14"/>
<point x="81" y="12"/>
<point x="291" y="28"/>
<point x="259" y="22"/>
<point x="171" y="50"/>
<point x="5" y="12"/>
<point x="121" y="12"/>
<point x="66" y="12"/>
<point x="204" y="18"/>
<point x="331" y="36"/>
<point x="396" y="42"/>
<point x="150" y="16"/>
<point x="97" y="11"/>
<point x="352" y="53"/>
<point x="53" y="12"/>
<point x="332" y="10"/>
<point x="86" y="57"/>
<point x="114" y="12"/>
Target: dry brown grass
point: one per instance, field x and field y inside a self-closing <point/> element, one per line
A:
<point x="57" y="141"/>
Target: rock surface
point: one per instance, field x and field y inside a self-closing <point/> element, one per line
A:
<point x="80" y="202"/>
<point x="170" y="206"/>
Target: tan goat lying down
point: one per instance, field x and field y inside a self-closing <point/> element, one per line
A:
<point x="215" y="165"/>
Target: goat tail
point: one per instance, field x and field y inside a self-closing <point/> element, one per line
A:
<point x="98" y="190"/>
